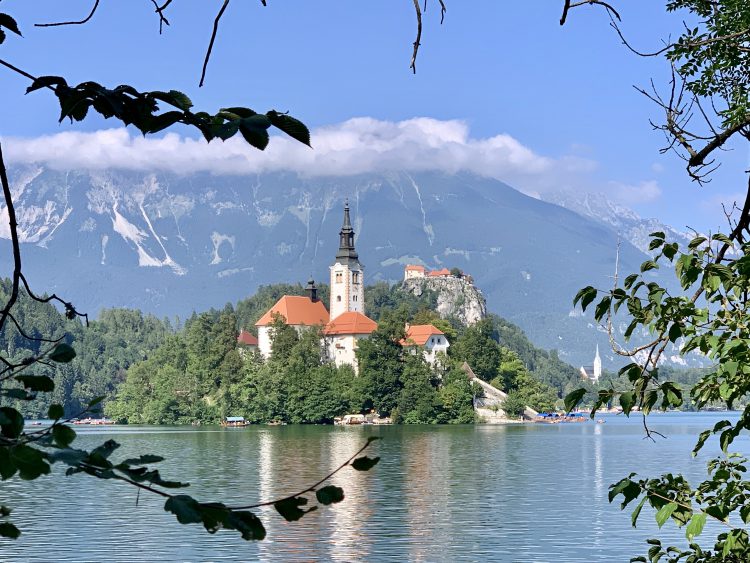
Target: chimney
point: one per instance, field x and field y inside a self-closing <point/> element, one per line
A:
<point x="311" y="290"/>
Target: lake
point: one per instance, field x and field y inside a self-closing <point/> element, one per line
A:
<point x="440" y="493"/>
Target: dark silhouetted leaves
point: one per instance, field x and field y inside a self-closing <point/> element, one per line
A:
<point x="63" y="435"/>
<point x="365" y="463"/>
<point x="290" y="509"/>
<point x="36" y="382"/>
<point x="62" y="353"/>
<point x="8" y="530"/>
<point x="330" y="494"/>
<point x="55" y="411"/>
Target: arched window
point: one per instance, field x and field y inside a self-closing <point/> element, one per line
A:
<point x="338" y="298"/>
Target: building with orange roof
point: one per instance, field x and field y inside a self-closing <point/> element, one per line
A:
<point x="430" y="339"/>
<point x="342" y="334"/>
<point x="444" y="273"/>
<point x="413" y="271"/>
<point x="299" y="311"/>
<point x="247" y="340"/>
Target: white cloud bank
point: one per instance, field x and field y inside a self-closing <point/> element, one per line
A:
<point x="356" y="146"/>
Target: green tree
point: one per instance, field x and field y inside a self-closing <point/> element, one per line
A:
<point x="478" y="347"/>
<point x="380" y="360"/>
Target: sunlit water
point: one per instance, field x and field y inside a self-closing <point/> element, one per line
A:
<point x="466" y="493"/>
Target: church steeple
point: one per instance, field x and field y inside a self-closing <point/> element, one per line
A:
<point x="346" y="254"/>
<point x="347" y="274"/>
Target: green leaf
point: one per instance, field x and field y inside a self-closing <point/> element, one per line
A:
<point x="9" y="23"/>
<point x="181" y="100"/>
<point x="657" y="234"/>
<point x="290" y="509"/>
<point x="30" y="462"/>
<point x="665" y="512"/>
<point x="695" y="526"/>
<point x="56" y="411"/>
<point x="291" y="126"/>
<point x="239" y="112"/>
<point x="12" y="422"/>
<point x="329" y="495"/>
<point x="255" y="130"/>
<point x="637" y="512"/>
<point x="648" y="265"/>
<point x="36" y="382"/>
<point x="8" y="530"/>
<point x="63" y="435"/>
<point x="585" y="296"/>
<point x="627" y="400"/>
<point x="602" y="308"/>
<point x="365" y="463"/>
<point x="185" y="508"/>
<point x="573" y="398"/>
<point x="63" y="353"/>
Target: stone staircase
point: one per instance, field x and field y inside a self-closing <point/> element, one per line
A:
<point x="489" y="406"/>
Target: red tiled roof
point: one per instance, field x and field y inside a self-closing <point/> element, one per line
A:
<point x="414" y="268"/>
<point x="420" y="334"/>
<point x="297" y="310"/>
<point x="246" y="338"/>
<point x="350" y="322"/>
<point x="443" y="272"/>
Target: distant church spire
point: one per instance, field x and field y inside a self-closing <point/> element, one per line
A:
<point x="346" y="251"/>
<point x="597" y="365"/>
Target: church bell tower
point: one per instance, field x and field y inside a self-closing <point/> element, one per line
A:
<point x="347" y="274"/>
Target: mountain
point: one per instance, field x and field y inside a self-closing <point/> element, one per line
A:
<point x="170" y="244"/>
<point x="628" y="224"/>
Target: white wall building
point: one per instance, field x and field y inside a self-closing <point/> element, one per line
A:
<point x="430" y="339"/>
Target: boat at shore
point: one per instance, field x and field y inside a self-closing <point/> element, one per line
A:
<point x="94" y="421"/>
<point x="234" y="422"/>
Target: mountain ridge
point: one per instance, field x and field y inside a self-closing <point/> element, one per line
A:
<point x="171" y="244"/>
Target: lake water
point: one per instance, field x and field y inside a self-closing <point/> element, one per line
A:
<point x="463" y="493"/>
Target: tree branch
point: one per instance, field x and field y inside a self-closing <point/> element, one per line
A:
<point x="211" y="42"/>
<point x="79" y="22"/>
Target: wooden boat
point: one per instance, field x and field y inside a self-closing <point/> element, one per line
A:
<point x="234" y="422"/>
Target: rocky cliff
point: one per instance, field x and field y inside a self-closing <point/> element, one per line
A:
<point x="456" y="297"/>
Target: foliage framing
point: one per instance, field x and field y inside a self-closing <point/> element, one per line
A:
<point x="29" y="455"/>
<point x="705" y="105"/>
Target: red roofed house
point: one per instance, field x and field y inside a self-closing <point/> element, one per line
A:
<point x="341" y="336"/>
<point x="247" y="341"/>
<point x="444" y="273"/>
<point x="429" y="338"/>
<point x="298" y="311"/>
<point x="413" y="271"/>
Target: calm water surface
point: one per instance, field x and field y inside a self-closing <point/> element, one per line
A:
<point x="466" y="493"/>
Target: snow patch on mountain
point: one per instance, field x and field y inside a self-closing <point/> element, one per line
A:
<point x="217" y="239"/>
<point x="626" y="222"/>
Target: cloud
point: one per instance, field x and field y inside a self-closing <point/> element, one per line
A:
<point x="356" y="146"/>
<point x="630" y="194"/>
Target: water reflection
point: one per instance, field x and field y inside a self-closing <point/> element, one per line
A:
<point x="520" y="493"/>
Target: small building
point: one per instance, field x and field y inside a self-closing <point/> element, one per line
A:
<point x="429" y="338"/>
<point x="342" y="334"/>
<point x="413" y="271"/>
<point x="444" y="273"/>
<point x="247" y="341"/>
<point x="301" y="312"/>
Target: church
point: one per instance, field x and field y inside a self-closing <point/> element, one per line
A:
<point x="344" y="323"/>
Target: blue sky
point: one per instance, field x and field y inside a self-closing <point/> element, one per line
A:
<point x="504" y="70"/>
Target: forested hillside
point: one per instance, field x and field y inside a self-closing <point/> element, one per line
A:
<point x="150" y="371"/>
